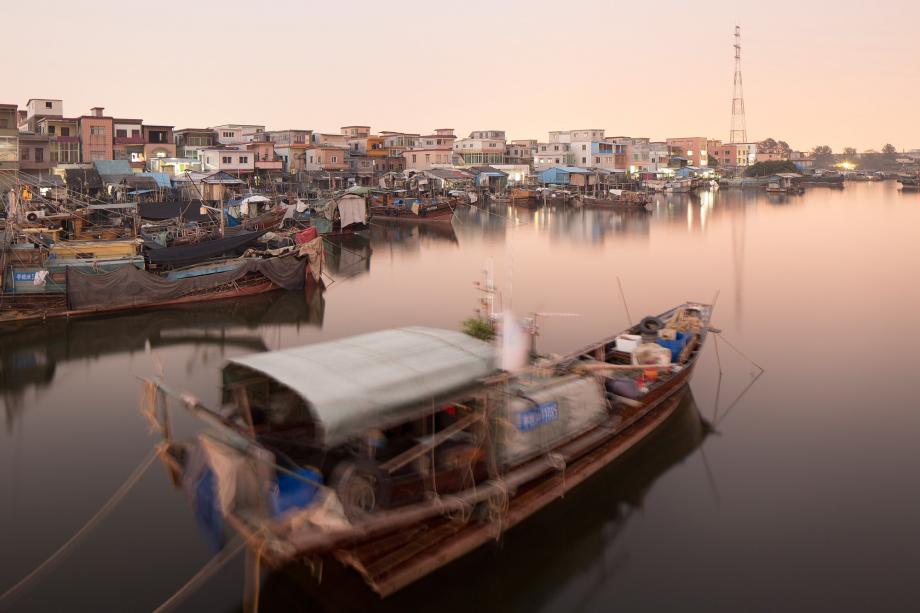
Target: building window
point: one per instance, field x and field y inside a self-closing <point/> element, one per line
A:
<point x="244" y="159"/>
<point x="583" y="160"/>
<point x="24" y="156"/>
<point x="39" y="155"/>
<point x="413" y="158"/>
<point x="51" y="130"/>
<point x="121" y="133"/>
<point x="65" y="131"/>
<point x="97" y="130"/>
<point x="335" y="159"/>
<point x="48" y="105"/>
<point x="226" y="159"/>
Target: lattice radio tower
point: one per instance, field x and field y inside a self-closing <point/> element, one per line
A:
<point x="739" y="125"/>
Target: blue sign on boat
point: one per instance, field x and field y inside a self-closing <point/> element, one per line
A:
<point x="24" y="276"/>
<point x="537" y="416"/>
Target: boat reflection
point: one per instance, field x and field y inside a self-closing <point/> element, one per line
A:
<point x="29" y="358"/>
<point x="548" y="558"/>
<point x="411" y="236"/>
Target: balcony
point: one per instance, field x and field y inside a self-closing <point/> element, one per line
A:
<point x="269" y="164"/>
<point x="129" y="140"/>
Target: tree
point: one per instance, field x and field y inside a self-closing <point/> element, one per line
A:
<point x="824" y="155"/>
<point x="712" y="162"/>
<point x="784" y="147"/>
<point x="765" y="169"/>
<point x="768" y="144"/>
<point x="823" y="150"/>
<point x="849" y="151"/>
<point x="889" y="149"/>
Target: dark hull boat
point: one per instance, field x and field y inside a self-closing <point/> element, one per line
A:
<point x="424" y="213"/>
<point x="183" y="255"/>
<point x="438" y="453"/>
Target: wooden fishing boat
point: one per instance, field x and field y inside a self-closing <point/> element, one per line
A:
<point x="909" y="183"/>
<point x="414" y="210"/>
<point x="80" y="292"/>
<point x="785" y="183"/>
<point x="396" y="452"/>
<point x="618" y="199"/>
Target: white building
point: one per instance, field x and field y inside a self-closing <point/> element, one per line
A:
<point x="233" y="161"/>
<point x="236" y="133"/>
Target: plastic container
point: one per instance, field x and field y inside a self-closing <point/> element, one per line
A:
<point x="294" y="493"/>
<point x="674" y="346"/>
<point x="628" y="342"/>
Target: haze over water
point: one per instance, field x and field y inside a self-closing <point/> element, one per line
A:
<point x="800" y="496"/>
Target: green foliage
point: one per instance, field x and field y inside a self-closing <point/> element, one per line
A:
<point x="480" y="328"/>
<point x="849" y="151"/>
<point x="765" y="169"/>
<point x="889" y="149"/>
<point x="712" y="162"/>
<point x="823" y="150"/>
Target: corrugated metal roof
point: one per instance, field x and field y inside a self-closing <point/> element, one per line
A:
<point x="112" y="167"/>
<point x="162" y="179"/>
<point x="363" y="382"/>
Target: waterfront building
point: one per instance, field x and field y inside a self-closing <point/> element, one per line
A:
<point x="63" y="138"/>
<point x="237" y="133"/>
<point x="552" y="154"/>
<point x="227" y="159"/>
<point x="518" y="152"/>
<point x="34" y="153"/>
<point x="36" y="109"/>
<point x="693" y="148"/>
<point x="9" y="137"/>
<point x="483" y="147"/>
<point x="96" y="136"/>
<point x="190" y="140"/>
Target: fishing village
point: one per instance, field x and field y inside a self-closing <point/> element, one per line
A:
<point x="253" y="367"/>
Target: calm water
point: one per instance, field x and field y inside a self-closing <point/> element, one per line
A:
<point x="800" y="496"/>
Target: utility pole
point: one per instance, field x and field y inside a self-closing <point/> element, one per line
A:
<point x="739" y="125"/>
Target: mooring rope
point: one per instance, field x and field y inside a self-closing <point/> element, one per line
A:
<point x="94" y="520"/>
<point x="207" y="571"/>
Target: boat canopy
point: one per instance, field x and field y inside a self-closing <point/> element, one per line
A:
<point x="375" y="380"/>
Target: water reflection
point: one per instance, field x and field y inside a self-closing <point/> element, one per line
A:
<point x="29" y="359"/>
<point x="547" y="559"/>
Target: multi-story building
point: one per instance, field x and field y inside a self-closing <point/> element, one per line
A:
<point x="159" y="142"/>
<point x="34" y="153"/>
<point x="264" y="156"/>
<point x="190" y="140"/>
<point x="96" y="136"/>
<point x="325" y="156"/>
<point x="571" y="136"/>
<point x="483" y="147"/>
<point x="63" y="138"/>
<point x="9" y="137"/>
<point x="427" y="158"/>
<point x="552" y="154"/>
<point x="228" y="159"/>
<point x="693" y="148"/>
<point x="37" y="108"/>
<point x="659" y="155"/>
<point x="334" y="140"/>
<point x="735" y="155"/>
<point x="128" y="142"/>
<point x="519" y="152"/>
<point x="237" y="133"/>
<point x="355" y="131"/>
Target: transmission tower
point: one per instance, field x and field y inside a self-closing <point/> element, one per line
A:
<point x="739" y="126"/>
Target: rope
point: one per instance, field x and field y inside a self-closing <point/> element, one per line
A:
<point x="207" y="571"/>
<point x="94" y="520"/>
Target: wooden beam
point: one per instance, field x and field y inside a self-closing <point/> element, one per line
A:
<point x="436" y="439"/>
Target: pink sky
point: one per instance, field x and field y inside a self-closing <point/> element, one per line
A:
<point x="842" y="73"/>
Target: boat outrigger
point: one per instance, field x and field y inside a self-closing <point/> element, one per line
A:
<point x="398" y="451"/>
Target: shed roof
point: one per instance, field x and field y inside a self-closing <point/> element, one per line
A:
<point x="372" y="380"/>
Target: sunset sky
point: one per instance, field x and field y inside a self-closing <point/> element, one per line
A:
<point x="843" y="73"/>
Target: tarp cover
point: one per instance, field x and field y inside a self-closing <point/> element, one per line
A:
<point x="182" y="255"/>
<point x="168" y="209"/>
<point x="363" y="382"/>
<point x="129" y="286"/>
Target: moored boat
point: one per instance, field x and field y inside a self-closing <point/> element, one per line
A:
<point x="396" y="452"/>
